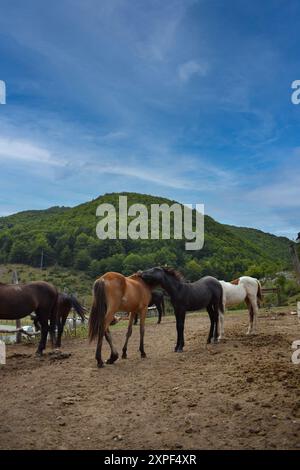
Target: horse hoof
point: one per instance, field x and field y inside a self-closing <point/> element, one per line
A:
<point x="112" y="359"/>
<point x="143" y="355"/>
<point x="100" y="364"/>
<point x="124" y="356"/>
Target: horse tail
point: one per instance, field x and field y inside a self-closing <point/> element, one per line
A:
<point x="259" y="293"/>
<point x="80" y="309"/>
<point x="221" y="303"/>
<point x="98" y="311"/>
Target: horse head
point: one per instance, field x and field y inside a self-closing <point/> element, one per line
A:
<point x="158" y="275"/>
<point x="153" y="276"/>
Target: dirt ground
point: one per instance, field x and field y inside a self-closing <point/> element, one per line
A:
<point x="241" y="394"/>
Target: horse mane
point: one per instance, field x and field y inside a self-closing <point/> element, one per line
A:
<point x="173" y="272"/>
<point x="136" y="275"/>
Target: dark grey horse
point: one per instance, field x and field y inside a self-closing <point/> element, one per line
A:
<point x="204" y="293"/>
<point x="158" y="300"/>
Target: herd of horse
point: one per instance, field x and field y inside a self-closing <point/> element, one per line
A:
<point x="133" y="294"/>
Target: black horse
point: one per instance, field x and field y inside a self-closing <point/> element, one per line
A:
<point x="64" y="304"/>
<point x="158" y="300"/>
<point x="204" y="293"/>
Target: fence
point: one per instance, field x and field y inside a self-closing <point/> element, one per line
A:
<point x="272" y="290"/>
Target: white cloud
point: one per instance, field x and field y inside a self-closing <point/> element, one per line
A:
<point x="190" y="68"/>
<point x="113" y="136"/>
<point x="26" y="151"/>
<point x="280" y="194"/>
<point x="168" y="170"/>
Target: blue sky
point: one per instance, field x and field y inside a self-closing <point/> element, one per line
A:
<point x="185" y="99"/>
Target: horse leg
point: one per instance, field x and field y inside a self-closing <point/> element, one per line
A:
<point x="61" y="317"/>
<point x="221" y="324"/>
<point x="136" y="319"/>
<point x="60" y="328"/>
<point x="98" y="354"/>
<point x="159" y="309"/>
<point x="44" y="334"/>
<point x="108" y="319"/>
<point x="249" y="306"/>
<point x="216" y="322"/>
<point x="142" y="331"/>
<point x="113" y="352"/>
<point x="128" y="334"/>
<point x="212" y="323"/>
<point x="255" y="314"/>
<point x="180" y="318"/>
<point x="36" y="323"/>
<point x="253" y="310"/>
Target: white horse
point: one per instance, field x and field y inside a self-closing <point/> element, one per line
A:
<point x="246" y="289"/>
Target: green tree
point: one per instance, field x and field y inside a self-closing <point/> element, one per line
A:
<point x="19" y="252"/>
<point x="65" y="257"/>
<point x="165" y="256"/>
<point x="193" y="270"/>
<point x="82" y="260"/>
<point x="132" y="263"/>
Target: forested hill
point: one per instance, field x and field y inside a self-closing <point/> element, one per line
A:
<point x="67" y="237"/>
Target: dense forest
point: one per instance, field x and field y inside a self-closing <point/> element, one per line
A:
<point x="67" y="237"/>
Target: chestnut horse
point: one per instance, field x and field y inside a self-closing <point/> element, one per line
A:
<point x="113" y="293"/>
<point x="19" y="300"/>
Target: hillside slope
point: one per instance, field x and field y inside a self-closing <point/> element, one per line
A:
<point x="67" y="237"/>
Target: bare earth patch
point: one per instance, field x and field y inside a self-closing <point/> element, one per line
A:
<point x="240" y="394"/>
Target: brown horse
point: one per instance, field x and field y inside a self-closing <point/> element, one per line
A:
<point x="19" y="300"/>
<point x="113" y="293"/>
